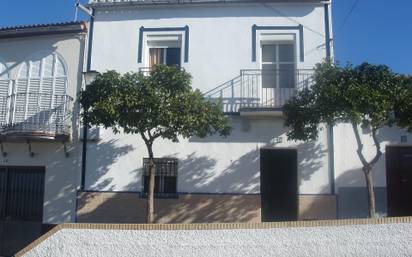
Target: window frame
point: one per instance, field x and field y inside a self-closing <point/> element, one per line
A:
<point x="144" y="33"/>
<point x="173" y="169"/>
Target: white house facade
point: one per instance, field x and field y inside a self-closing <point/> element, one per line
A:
<point x="40" y="77"/>
<point x="252" y="55"/>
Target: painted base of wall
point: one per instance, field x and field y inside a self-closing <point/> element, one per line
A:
<point x="353" y="202"/>
<point x="109" y="207"/>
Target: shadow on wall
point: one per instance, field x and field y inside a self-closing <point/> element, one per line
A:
<point x="61" y="182"/>
<point x="350" y="184"/>
<point x="351" y="198"/>
<point x="351" y="192"/>
<point x="105" y="155"/>
<point x="188" y="208"/>
<point x="350" y="201"/>
<point x="242" y="175"/>
<point x="246" y="130"/>
<point x="310" y="160"/>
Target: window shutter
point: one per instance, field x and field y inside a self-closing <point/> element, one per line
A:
<point x="40" y="90"/>
<point x="4" y="91"/>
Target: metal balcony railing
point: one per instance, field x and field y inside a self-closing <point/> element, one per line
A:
<point x="34" y="115"/>
<point x="259" y="89"/>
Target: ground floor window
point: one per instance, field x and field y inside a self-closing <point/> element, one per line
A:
<point x="165" y="177"/>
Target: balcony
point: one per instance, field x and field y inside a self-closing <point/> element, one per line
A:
<point x="34" y="116"/>
<point x="258" y="92"/>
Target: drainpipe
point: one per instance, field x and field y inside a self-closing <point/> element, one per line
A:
<point x="85" y="128"/>
<point x="331" y="159"/>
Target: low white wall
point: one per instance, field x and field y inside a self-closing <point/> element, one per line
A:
<point x="355" y="240"/>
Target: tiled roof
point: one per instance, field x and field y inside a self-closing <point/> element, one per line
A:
<point x="42" y="29"/>
<point x="153" y="2"/>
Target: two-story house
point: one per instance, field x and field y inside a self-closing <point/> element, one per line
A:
<point x="254" y="55"/>
<point x="251" y="55"/>
<point x="40" y="76"/>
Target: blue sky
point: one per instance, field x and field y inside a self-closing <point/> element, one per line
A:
<point x="377" y="31"/>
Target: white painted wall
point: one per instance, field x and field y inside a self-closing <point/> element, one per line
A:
<point x="210" y="165"/>
<point x="359" y="240"/>
<point x="350" y="173"/>
<point x="220" y="46"/>
<point x="349" y="178"/>
<point x="62" y="176"/>
<point x="220" y="36"/>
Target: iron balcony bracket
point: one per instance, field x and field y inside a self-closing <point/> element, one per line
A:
<point x="66" y="151"/>
<point x="3" y="153"/>
<point x="31" y="153"/>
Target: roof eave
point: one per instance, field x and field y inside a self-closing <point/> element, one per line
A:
<point x="199" y="2"/>
<point x="43" y="29"/>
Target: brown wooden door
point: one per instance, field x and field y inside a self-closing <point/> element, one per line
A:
<point x="399" y="181"/>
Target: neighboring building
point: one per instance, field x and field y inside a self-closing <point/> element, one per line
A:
<point x="252" y="54"/>
<point x="40" y="77"/>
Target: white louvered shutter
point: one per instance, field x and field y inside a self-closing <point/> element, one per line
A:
<point x="20" y="97"/>
<point x="60" y="90"/>
<point x="5" y="83"/>
<point x="40" y="90"/>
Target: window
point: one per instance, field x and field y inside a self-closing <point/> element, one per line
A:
<point x="164" y="49"/>
<point x="40" y="92"/>
<point x="166" y="56"/>
<point x="5" y="83"/>
<point x="165" y="177"/>
<point x="278" y="65"/>
<point x="163" y="37"/>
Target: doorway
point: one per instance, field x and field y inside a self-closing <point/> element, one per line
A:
<point x="21" y="207"/>
<point x="278" y="73"/>
<point x="399" y="180"/>
<point x="279" y="184"/>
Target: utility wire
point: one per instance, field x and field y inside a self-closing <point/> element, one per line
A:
<point x="283" y="15"/>
<point x="348" y="15"/>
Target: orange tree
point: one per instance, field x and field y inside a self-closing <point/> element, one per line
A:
<point x="159" y="105"/>
<point x="366" y="96"/>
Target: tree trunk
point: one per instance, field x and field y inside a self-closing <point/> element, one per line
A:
<point x="152" y="175"/>
<point x="368" y="166"/>
<point x="371" y="192"/>
<point x="150" y="191"/>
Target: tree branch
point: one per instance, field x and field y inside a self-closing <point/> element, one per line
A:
<point x="378" y="148"/>
<point x="150" y="134"/>
<point x="156" y="134"/>
<point x="360" y="145"/>
<point x="145" y="139"/>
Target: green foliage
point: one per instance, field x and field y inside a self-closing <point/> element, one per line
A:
<point x="368" y="94"/>
<point x="161" y="104"/>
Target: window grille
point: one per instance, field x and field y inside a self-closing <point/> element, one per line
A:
<point x="165" y="177"/>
